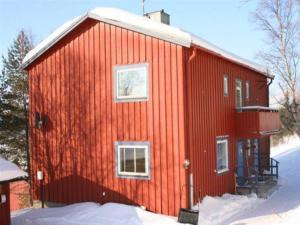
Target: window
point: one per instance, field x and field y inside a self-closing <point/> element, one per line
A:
<point x="222" y="155"/>
<point x="225" y="85"/>
<point x="247" y="90"/>
<point x="131" y="82"/>
<point x="132" y="159"/>
<point x="238" y="93"/>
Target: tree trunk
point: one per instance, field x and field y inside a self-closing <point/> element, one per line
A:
<point x="27" y="149"/>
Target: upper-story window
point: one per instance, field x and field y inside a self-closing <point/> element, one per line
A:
<point x="238" y="94"/>
<point x="131" y="82"/>
<point x="225" y="85"/>
<point x="247" y="85"/>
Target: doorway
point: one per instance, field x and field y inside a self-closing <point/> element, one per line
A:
<point x="240" y="162"/>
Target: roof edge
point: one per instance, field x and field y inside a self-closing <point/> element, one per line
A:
<point x="33" y="55"/>
<point x="25" y="178"/>
<point x="142" y="25"/>
<point x="186" y="43"/>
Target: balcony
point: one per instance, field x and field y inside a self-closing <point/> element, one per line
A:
<point x="256" y="121"/>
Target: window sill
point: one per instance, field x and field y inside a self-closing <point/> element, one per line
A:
<point x="223" y="171"/>
<point x="136" y="177"/>
<point x="124" y="100"/>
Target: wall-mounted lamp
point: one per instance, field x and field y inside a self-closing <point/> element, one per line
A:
<point x="38" y="120"/>
<point x="186" y="164"/>
<point x="3" y="199"/>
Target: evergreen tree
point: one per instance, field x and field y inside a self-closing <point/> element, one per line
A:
<point x="14" y="103"/>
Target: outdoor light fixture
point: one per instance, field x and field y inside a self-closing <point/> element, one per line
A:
<point x="186" y="164"/>
<point x="38" y="120"/>
<point x="3" y="198"/>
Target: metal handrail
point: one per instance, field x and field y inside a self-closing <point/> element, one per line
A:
<point x="273" y="165"/>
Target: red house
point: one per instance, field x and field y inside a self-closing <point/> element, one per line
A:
<point x="127" y="109"/>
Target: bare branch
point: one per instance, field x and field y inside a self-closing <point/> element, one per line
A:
<point x="279" y="20"/>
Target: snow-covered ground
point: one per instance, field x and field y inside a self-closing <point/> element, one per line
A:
<point x="92" y="214"/>
<point x="217" y="210"/>
<point x="283" y="207"/>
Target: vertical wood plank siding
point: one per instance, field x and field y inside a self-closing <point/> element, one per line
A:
<point x="5" y="207"/>
<point x="211" y="114"/>
<point x="250" y="124"/>
<point x="72" y="86"/>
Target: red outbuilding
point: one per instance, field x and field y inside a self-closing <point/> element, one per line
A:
<point x="127" y="109"/>
<point x="8" y="173"/>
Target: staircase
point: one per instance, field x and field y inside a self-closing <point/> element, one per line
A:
<point x="258" y="181"/>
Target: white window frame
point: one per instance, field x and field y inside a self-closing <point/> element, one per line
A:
<point x="130" y="67"/>
<point x="241" y="90"/>
<point x="225" y="85"/>
<point x="221" y="140"/>
<point x="247" y="86"/>
<point x="123" y="145"/>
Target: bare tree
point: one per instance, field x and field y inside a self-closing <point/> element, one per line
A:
<point x="279" y="19"/>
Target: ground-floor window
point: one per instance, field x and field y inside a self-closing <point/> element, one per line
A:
<point x="132" y="159"/>
<point x="222" y="155"/>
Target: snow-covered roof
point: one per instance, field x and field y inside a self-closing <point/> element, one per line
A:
<point x="140" y="24"/>
<point x="9" y="171"/>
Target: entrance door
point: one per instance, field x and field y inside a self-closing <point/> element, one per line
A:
<point x="240" y="163"/>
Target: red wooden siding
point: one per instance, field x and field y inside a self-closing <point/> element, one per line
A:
<point x="72" y="86"/>
<point x="211" y="114"/>
<point x="5" y="207"/>
<point x="253" y="124"/>
<point x="19" y="195"/>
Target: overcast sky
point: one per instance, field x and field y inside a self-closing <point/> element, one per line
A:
<point x="226" y="23"/>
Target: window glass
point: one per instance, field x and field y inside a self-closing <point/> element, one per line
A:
<point x="140" y="160"/>
<point x="247" y="90"/>
<point x="222" y="155"/>
<point x="129" y="159"/>
<point x="225" y="85"/>
<point x="131" y="82"/>
<point x="132" y="159"/>
<point x="238" y="93"/>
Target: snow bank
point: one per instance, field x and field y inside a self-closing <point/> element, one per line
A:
<point x="287" y="144"/>
<point x="9" y="171"/>
<point x="92" y="214"/>
<point x="216" y="210"/>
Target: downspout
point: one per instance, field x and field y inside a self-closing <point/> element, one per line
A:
<point x="189" y="155"/>
<point x="269" y="83"/>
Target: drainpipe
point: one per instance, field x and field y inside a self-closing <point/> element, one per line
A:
<point x="269" y="83"/>
<point x="189" y="154"/>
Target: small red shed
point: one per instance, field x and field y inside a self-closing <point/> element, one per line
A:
<point x="127" y="109"/>
<point x="8" y="173"/>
